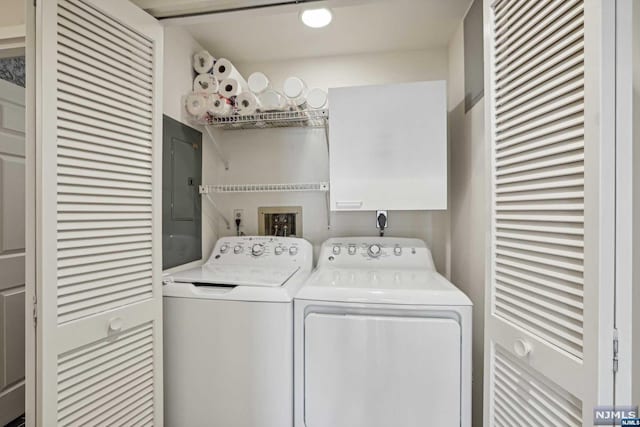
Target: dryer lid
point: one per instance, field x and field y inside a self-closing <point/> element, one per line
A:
<point x="236" y="275"/>
<point x="384" y="286"/>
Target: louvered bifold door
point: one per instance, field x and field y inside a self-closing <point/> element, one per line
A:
<point x="550" y="271"/>
<point x="98" y="151"/>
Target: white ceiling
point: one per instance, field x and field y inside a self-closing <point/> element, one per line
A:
<point x="359" y="26"/>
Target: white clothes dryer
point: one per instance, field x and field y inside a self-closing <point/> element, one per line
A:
<point x="228" y="334"/>
<point x="381" y="339"/>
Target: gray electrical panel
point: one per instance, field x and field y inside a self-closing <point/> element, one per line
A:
<point x="473" y="56"/>
<point x="181" y="200"/>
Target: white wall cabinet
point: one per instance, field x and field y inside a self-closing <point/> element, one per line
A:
<point x="388" y="147"/>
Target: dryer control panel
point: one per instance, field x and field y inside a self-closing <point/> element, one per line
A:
<point x="383" y="252"/>
<point x="262" y="250"/>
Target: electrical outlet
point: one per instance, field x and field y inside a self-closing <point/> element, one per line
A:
<point x="384" y="219"/>
<point x="238" y="214"/>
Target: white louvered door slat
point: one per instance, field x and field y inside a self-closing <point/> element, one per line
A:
<point x="547" y="121"/>
<point x="98" y="265"/>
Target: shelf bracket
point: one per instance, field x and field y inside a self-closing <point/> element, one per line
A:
<point x="204" y="191"/>
<point x="327" y="196"/>
<point x="217" y="148"/>
<point x="326" y="133"/>
<point x="328" y="209"/>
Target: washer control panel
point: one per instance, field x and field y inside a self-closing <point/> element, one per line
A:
<point x="379" y="251"/>
<point x="254" y="249"/>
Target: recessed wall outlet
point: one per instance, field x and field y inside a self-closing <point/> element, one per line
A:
<point x="382" y="219"/>
<point x="238" y="214"/>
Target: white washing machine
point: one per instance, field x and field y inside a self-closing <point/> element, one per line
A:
<point x="228" y="327"/>
<point x="381" y="339"/>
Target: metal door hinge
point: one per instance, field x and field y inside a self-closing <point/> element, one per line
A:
<point x="616" y="350"/>
<point x="35" y="311"/>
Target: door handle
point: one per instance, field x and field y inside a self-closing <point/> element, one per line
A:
<point x="349" y="205"/>
<point x="522" y="348"/>
<point x="115" y="324"/>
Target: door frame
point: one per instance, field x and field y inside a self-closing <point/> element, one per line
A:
<point x="627" y="383"/>
<point x="600" y="120"/>
<point x="30" y="218"/>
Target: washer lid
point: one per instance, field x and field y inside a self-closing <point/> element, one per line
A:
<point x="236" y="275"/>
<point x="384" y="286"/>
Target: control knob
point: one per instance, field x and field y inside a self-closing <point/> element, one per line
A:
<point x="293" y="250"/>
<point x="237" y="249"/>
<point x="257" y="249"/>
<point x="278" y="250"/>
<point x="224" y="248"/>
<point x="336" y="250"/>
<point x="397" y="250"/>
<point x="374" y="250"/>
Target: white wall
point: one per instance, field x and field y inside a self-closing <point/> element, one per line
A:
<point x="179" y="48"/>
<point x="468" y="205"/>
<point x="300" y="155"/>
<point x="12" y="13"/>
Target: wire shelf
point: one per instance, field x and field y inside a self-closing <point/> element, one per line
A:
<point x="264" y="188"/>
<point x="301" y="118"/>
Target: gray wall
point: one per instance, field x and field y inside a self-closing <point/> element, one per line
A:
<point x="468" y="205"/>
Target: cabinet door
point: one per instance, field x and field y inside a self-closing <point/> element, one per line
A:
<point x="389" y="147"/>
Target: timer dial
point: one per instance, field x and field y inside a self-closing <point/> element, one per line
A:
<point x="257" y="249"/>
<point x="374" y="250"/>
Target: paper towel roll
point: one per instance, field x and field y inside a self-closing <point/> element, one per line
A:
<point x="205" y="83"/>
<point x="203" y="62"/>
<point x="295" y="90"/>
<point x="219" y="106"/>
<point x="196" y="104"/>
<point x="271" y="100"/>
<point x="247" y="103"/>
<point x="232" y="87"/>
<point x="224" y="69"/>
<point x="316" y="98"/>
<point x="258" y="83"/>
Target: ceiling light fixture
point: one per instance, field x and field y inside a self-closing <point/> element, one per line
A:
<point x="316" y="18"/>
